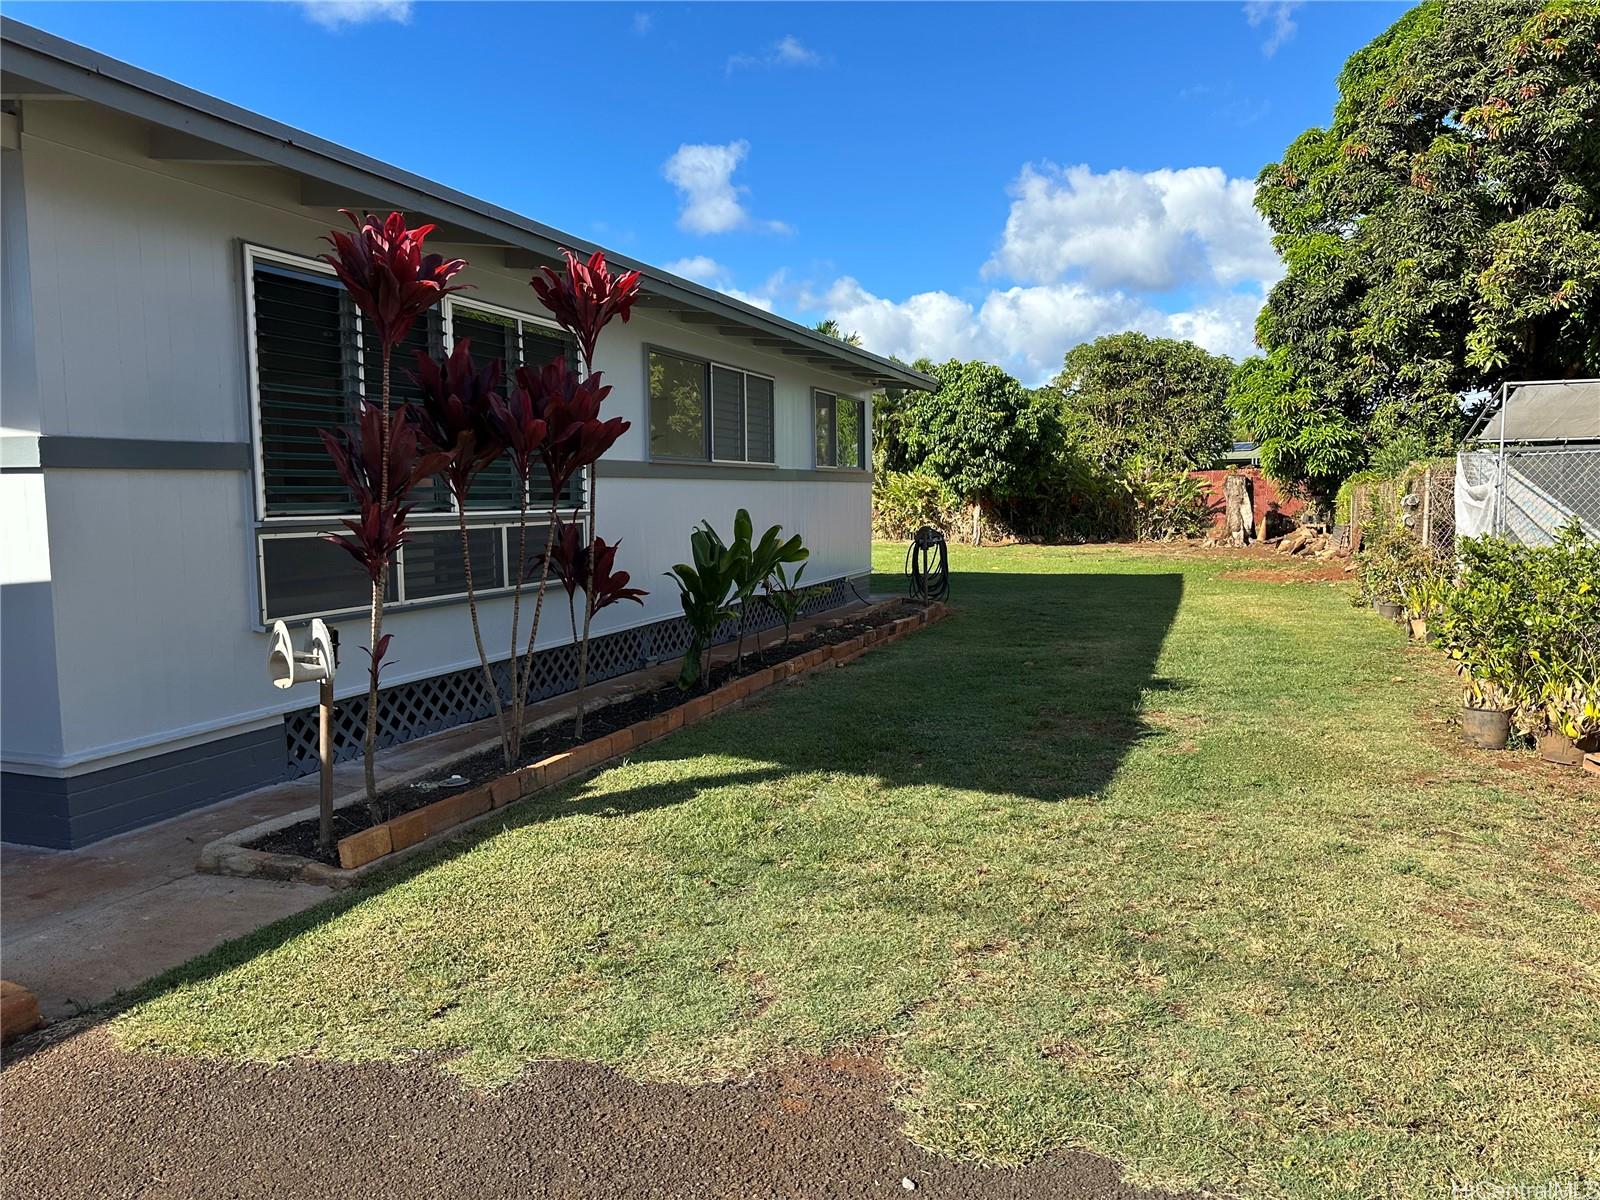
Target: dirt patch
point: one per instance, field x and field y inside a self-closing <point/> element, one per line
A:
<point x="85" y="1119"/>
<point x="301" y="839"/>
<point x="1328" y="573"/>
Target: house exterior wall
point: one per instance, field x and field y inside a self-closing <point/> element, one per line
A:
<point x="143" y="636"/>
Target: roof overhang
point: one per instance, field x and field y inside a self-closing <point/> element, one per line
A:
<point x="190" y="126"/>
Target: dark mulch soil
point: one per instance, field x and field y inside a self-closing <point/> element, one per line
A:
<point x="87" y="1120"/>
<point x="301" y="839"/>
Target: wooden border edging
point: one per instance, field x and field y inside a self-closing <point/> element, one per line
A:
<point x="372" y="849"/>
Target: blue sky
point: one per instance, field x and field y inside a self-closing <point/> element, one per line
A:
<point x="995" y="181"/>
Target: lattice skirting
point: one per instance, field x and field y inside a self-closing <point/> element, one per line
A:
<point x="424" y="706"/>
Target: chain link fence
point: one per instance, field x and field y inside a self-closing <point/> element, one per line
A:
<point x="1421" y="498"/>
<point x="1527" y="493"/>
<point x="1524" y="493"/>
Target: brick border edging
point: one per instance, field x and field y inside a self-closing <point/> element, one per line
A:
<point x="363" y="854"/>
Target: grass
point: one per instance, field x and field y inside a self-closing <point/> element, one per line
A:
<point x="1126" y="855"/>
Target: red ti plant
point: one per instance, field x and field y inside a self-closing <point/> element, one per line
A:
<point x="583" y="299"/>
<point x="591" y="567"/>
<point x="380" y="475"/>
<point x="393" y="283"/>
<point x="456" y="417"/>
<point x="574" y="438"/>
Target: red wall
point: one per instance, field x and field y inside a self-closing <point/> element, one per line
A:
<point x="1263" y="494"/>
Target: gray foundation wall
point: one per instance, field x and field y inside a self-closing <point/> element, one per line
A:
<point x="65" y="813"/>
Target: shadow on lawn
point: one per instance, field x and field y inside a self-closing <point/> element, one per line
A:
<point x="1033" y="687"/>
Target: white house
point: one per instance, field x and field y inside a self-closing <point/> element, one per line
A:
<point x="170" y="346"/>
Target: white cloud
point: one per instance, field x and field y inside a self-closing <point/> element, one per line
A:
<point x="339" y="14"/>
<point x="1154" y="230"/>
<point x="706" y="270"/>
<point x="1277" y="16"/>
<point x="787" y="51"/>
<point x="699" y="267"/>
<point x="1028" y="329"/>
<point x="712" y="203"/>
<point x="642" y="23"/>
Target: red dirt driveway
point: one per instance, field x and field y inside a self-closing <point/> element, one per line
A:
<point x="85" y="1119"/>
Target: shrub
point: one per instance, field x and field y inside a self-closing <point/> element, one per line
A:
<point x="904" y="501"/>
<point x="1167" y="504"/>
<point x="1390" y="562"/>
<point x="1523" y="626"/>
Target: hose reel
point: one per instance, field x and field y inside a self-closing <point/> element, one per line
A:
<point x="928" y="565"/>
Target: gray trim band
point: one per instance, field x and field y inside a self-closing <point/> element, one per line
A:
<point x="122" y="454"/>
<point x="633" y="469"/>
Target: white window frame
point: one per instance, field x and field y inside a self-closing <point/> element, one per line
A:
<point x="252" y="255"/>
<point x="451" y="303"/>
<point x="865" y="444"/>
<point x="711" y="364"/>
<point x="314" y="525"/>
<point x="501" y="587"/>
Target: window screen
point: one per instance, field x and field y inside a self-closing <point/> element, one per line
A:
<point x="727" y="414"/>
<point x="433" y="567"/>
<point x="306" y="381"/>
<point x="515" y="343"/>
<point x="307" y="576"/>
<point x="847" y="425"/>
<point x="760" y="439"/>
<point x="841" y="430"/>
<point x="822" y="404"/>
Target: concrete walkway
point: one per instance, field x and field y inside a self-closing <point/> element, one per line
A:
<point x="78" y="926"/>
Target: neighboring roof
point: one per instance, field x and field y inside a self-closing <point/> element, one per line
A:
<point x="1245" y="452"/>
<point x="202" y="128"/>
<point x="1566" y="410"/>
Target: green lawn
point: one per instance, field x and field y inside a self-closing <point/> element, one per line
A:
<point x="1124" y="856"/>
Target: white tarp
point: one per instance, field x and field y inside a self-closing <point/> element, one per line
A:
<point x="1476" y="475"/>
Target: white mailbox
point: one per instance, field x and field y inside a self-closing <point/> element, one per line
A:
<point x="288" y="666"/>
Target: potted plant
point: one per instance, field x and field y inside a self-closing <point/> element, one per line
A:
<point x="1424" y="595"/>
<point x="1568" y="716"/>
<point x="1480" y="626"/>
<point x="1389" y="560"/>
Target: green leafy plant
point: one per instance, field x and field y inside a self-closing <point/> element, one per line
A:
<point x="757" y="563"/>
<point x="706" y="588"/>
<point x="785" y="596"/>
<point x="1166" y="503"/>
<point x="904" y="501"/>
<point x="1523" y="626"/>
<point x="1481" y="626"/>
<point x="1391" y="560"/>
<point x="1426" y="588"/>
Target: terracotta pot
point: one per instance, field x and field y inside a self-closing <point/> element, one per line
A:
<point x="1485" y="728"/>
<point x="1562" y="750"/>
<point x="1591" y="763"/>
<point x="1418" y="627"/>
<point x="1388" y="610"/>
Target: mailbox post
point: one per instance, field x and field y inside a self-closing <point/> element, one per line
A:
<point x="287" y="667"/>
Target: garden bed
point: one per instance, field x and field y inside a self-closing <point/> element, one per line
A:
<point x="464" y="789"/>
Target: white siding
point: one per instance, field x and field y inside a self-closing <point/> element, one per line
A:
<point x="138" y="301"/>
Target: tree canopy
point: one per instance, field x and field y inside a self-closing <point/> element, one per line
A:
<point x="981" y="431"/>
<point x="1441" y="235"/>
<point x="1127" y="396"/>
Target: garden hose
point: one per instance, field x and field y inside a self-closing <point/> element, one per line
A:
<point x="928" y="565"/>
